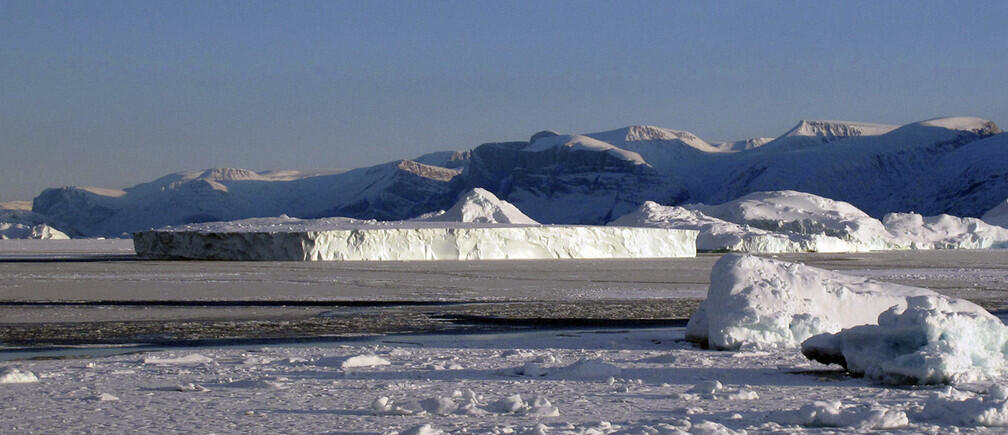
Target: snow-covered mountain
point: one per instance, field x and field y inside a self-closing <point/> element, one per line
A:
<point x="957" y="166"/>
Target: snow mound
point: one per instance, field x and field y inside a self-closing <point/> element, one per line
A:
<point x="835" y="225"/>
<point x="930" y="340"/>
<point x="835" y="414"/>
<point x="480" y="206"/>
<point x="997" y="215"/>
<point x="13" y="375"/>
<point x="758" y="303"/>
<point x="945" y="232"/>
<point x="714" y="234"/>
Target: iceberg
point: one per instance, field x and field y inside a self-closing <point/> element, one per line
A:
<point x="715" y="235"/>
<point x="821" y="224"/>
<point x="945" y="231"/>
<point x="930" y="340"/>
<point x="417" y="242"/>
<point x="761" y="303"/>
<point x="479" y="227"/>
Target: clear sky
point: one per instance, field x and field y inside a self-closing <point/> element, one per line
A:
<point x="110" y="93"/>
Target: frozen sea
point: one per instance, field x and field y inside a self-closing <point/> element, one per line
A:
<point x="574" y="346"/>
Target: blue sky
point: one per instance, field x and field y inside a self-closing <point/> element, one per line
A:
<point x="114" y="93"/>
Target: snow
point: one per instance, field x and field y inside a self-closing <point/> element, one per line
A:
<point x="997" y="215"/>
<point x="830" y="130"/>
<point x="945" y="232"/>
<point x="759" y="303"/>
<point x="480" y="206"/>
<point x="963" y="408"/>
<point x="930" y="340"/>
<point x="834" y="414"/>
<point x="820" y="224"/>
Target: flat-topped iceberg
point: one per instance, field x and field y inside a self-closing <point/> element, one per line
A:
<point x="474" y="233"/>
<point x="755" y="302"/>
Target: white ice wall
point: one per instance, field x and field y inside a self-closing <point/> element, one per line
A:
<point x="425" y="243"/>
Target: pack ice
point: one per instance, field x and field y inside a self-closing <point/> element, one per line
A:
<point x="757" y="302"/>
<point x="480" y="226"/>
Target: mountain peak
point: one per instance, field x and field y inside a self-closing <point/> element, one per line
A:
<point x="829" y="131"/>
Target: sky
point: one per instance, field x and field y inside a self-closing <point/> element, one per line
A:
<point x="111" y="94"/>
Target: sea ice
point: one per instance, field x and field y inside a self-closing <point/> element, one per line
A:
<point x="756" y="302"/>
<point x="930" y="340"/>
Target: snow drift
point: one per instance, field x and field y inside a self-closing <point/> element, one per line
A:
<point x="756" y="302"/>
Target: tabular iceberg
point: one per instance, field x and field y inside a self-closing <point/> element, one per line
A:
<point x="418" y="242"/>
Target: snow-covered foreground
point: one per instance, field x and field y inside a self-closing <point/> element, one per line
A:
<point x="603" y="381"/>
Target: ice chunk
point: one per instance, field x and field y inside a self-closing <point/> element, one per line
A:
<point x="188" y="360"/>
<point x="954" y="407"/>
<point x="931" y="340"/>
<point x="14" y="375"/>
<point x="764" y="303"/>
<point x="835" y="414"/>
<point x="352" y="361"/>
